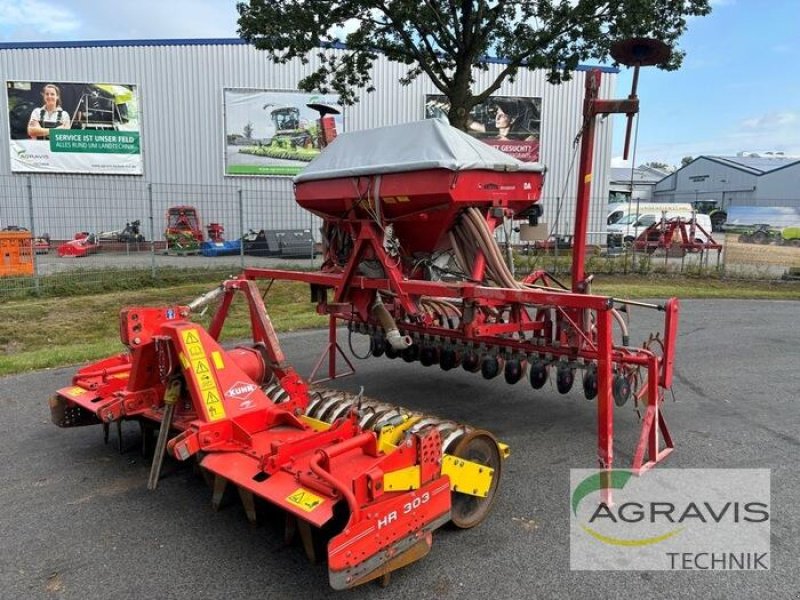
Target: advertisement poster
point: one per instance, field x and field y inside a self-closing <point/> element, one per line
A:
<point x="509" y="123"/>
<point x="276" y="133"/>
<point x="58" y="127"/>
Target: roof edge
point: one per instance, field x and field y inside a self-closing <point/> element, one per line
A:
<point x="202" y="42"/>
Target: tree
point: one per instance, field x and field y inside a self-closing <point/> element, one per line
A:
<point x="686" y="160"/>
<point x="661" y="166"/>
<point x="247" y="131"/>
<point x="447" y="39"/>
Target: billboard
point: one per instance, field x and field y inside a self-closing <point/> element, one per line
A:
<point x="511" y="124"/>
<point x="272" y="133"/>
<point x="58" y="127"/>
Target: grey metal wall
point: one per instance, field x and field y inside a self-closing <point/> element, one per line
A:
<point x="706" y="179"/>
<point x="780" y="185"/>
<point x="180" y="87"/>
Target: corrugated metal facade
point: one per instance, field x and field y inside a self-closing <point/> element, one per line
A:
<point x="180" y="86"/>
<point x="772" y="183"/>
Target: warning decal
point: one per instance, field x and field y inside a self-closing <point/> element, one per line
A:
<point x="202" y="374"/>
<point x="304" y="500"/>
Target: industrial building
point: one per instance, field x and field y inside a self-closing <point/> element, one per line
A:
<point x="638" y="183"/>
<point x="181" y="142"/>
<point x="742" y="180"/>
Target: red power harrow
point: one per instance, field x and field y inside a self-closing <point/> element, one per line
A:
<point x="381" y="477"/>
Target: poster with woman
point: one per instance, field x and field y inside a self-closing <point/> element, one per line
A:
<point x="511" y="124"/>
<point x="274" y="132"/>
<point x="59" y="127"/>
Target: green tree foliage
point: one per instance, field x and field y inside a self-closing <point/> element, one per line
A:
<point x="448" y="40"/>
<point x="658" y="165"/>
<point x="247" y="131"/>
<point x="686" y="160"/>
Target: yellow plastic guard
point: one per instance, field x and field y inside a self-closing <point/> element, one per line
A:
<point x="505" y="451"/>
<point x="390" y="435"/>
<point x="315" y="424"/>
<point x="466" y="476"/>
<point x="402" y="479"/>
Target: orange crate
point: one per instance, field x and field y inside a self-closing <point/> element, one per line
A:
<point x="16" y="253"/>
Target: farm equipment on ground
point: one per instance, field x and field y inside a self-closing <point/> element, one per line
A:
<point x="676" y="235"/>
<point x="130" y="234"/>
<point x="216" y="244"/>
<point x="410" y="261"/>
<point x="766" y="234"/>
<point x="83" y="244"/>
<point x="184" y="233"/>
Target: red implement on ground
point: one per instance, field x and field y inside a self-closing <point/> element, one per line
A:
<point x="378" y="478"/>
<point x="84" y="244"/>
<point x="411" y="261"/>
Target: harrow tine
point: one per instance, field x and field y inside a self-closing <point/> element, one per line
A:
<point x="290" y="529"/>
<point x="119" y="436"/>
<point x="106" y="428"/>
<point x="248" y="502"/>
<point x="220" y="483"/>
<point x="307" y="538"/>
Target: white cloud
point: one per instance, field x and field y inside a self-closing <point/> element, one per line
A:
<point x="777" y="131"/>
<point x="772" y="122"/>
<point x="46" y="17"/>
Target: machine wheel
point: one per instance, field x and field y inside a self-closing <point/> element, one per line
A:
<point x="480" y="447"/>
<point x="760" y="237"/>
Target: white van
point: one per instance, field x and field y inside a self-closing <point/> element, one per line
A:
<point x="628" y="228"/>
<point x="619" y="210"/>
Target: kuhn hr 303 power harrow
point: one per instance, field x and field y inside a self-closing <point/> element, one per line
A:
<point x="411" y="261"/>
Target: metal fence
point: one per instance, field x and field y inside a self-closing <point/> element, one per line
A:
<point x="59" y="210"/>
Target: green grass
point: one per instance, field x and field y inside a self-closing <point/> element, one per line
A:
<point x="46" y="332"/>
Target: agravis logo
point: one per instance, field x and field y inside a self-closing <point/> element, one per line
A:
<point x="670" y="519"/>
<point x="615" y="479"/>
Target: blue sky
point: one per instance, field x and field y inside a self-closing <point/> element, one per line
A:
<point x="738" y="89"/>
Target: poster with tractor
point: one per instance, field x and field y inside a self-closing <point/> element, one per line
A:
<point x="277" y="133"/>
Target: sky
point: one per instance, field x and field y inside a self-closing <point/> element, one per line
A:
<point x="738" y="89"/>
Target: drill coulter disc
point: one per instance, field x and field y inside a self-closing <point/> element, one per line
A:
<point x="429" y="355"/>
<point x="490" y="367"/>
<point x="411" y="353"/>
<point x="565" y="377"/>
<point x="538" y="374"/>
<point x="376" y="345"/>
<point x="513" y="371"/>
<point x="389" y="350"/>
<point x="590" y="383"/>
<point x="621" y="389"/>
<point x="480" y="447"/>
<point x="448" y="359"/>
<point x="471" y="362"/>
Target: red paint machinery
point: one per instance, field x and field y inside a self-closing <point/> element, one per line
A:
<point x="410" y="261"/>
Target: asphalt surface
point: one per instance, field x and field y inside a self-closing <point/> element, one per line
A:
<point x="78" y="522"/>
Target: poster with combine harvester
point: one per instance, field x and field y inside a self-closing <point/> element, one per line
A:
<point x="58" y="127"/>
<point x="277" y="133"/>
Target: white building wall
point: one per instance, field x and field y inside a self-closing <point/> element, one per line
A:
<point x="180" y="87"/>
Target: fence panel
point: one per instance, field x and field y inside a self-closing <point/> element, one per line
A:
<point x="122" y="226"/>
